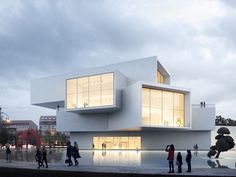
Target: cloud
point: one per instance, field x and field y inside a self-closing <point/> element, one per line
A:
<point x="194" y="40"/>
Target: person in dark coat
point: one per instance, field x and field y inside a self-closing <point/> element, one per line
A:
<point x="179" y="162"/>
<point x="188" y="160"/>
<point x="38" y="156"/>
<point x="8" y="153"/>
<point x="171" y="150"/>
<point x="44" y="157"/>
<point x="69" y="152"/>
<point x="75" y="153"/>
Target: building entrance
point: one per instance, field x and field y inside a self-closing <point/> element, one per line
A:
<point x="117" y="142"/>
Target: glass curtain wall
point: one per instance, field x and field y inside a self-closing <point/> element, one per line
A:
<point x="160" y="78"/>
<point x="117" y="142"/>
<point x="162" y="108"/>
<point x="91" y="91"/>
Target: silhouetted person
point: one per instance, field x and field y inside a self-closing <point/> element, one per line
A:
<point x="93" y="146"/>
<point x="188" y="160"/>
<point x="171" y="150"/>
<point x="195" y="147"/>
<point x="44" y="157"/>
<point x="104" y="146"/>
<point x="69" y="151"/>
<point x="38" y="156"/>
<point x="8" y="153"/>
<point x="179" y="162"/>
<point x="75" y="153"/>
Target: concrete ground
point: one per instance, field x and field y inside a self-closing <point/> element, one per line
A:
<point x="25" y="169"/>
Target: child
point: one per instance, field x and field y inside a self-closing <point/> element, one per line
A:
<point x="179" y="162"/>
<point x="188" y="160"/>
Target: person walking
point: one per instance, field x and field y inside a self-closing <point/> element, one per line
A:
<point x="8" y="153"/>
<point x="171" y="150"/>
<point x="44" y="157"/>
<point x="75" y="153"/>
<point x="38" y="156"/>
<point x="69" y="151"/>
<point x="179" y="162"/>
<point x="188" y="160"/>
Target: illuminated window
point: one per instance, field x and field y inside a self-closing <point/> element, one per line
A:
<point x="146" y="106"/>
<point x="90" y="91"/>
<point x="71" y="93"/>
<point x="156" y="107"/>
<point x="162" y="108"/>
<point x="117" y="142"/>
<point x="107" y="89"/>
<point x="178" y="109"/>
<point x="82" y="92"/>
<point x="160" y="78"/>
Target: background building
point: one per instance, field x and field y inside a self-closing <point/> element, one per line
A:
<point x="21" y="125"/>
<point x="47" y="123"/>
<point x="15" y="127"/>
<point x="48" y="132"/>
<point x="129" y="105"/>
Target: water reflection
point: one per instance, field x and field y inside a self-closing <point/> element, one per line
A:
<point x="29" y="155"/>
<point x="152" y="159"/>
<point x="120" y="158"/>
<point x="216" y="164"/>
<point x="195" y="153"/>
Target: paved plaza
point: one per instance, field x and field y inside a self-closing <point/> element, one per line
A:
<point x="121" y="170"/>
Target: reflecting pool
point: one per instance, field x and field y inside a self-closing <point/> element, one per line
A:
<point x="152" y="159"/>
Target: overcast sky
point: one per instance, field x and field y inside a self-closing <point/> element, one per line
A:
<point x="195" y="41"/>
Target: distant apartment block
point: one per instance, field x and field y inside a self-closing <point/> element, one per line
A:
<point x="47" y="123"/>
<point x="21" y="125"/>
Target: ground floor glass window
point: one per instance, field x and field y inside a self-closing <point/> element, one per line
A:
<point x="117" y="142"/>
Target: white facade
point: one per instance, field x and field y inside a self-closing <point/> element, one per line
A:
<point x="138" y="108"/>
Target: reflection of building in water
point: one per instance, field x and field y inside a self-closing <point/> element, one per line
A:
<point x="117" y="142"/>
<point x="131" y="158"/>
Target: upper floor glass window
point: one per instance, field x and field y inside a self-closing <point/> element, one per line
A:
<point x="162" y="108"/>
<point x="90" y="91"/>
<point x="160" y="78"/>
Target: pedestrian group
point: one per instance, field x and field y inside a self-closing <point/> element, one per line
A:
<point x="41" y="157"/>
<point x="73" y="152"/>
<point x="171" y="150"/>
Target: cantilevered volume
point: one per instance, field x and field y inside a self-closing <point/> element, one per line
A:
<point x="129" y="105"/>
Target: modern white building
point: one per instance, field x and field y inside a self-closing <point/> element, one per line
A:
<point x="128" y="105"/>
